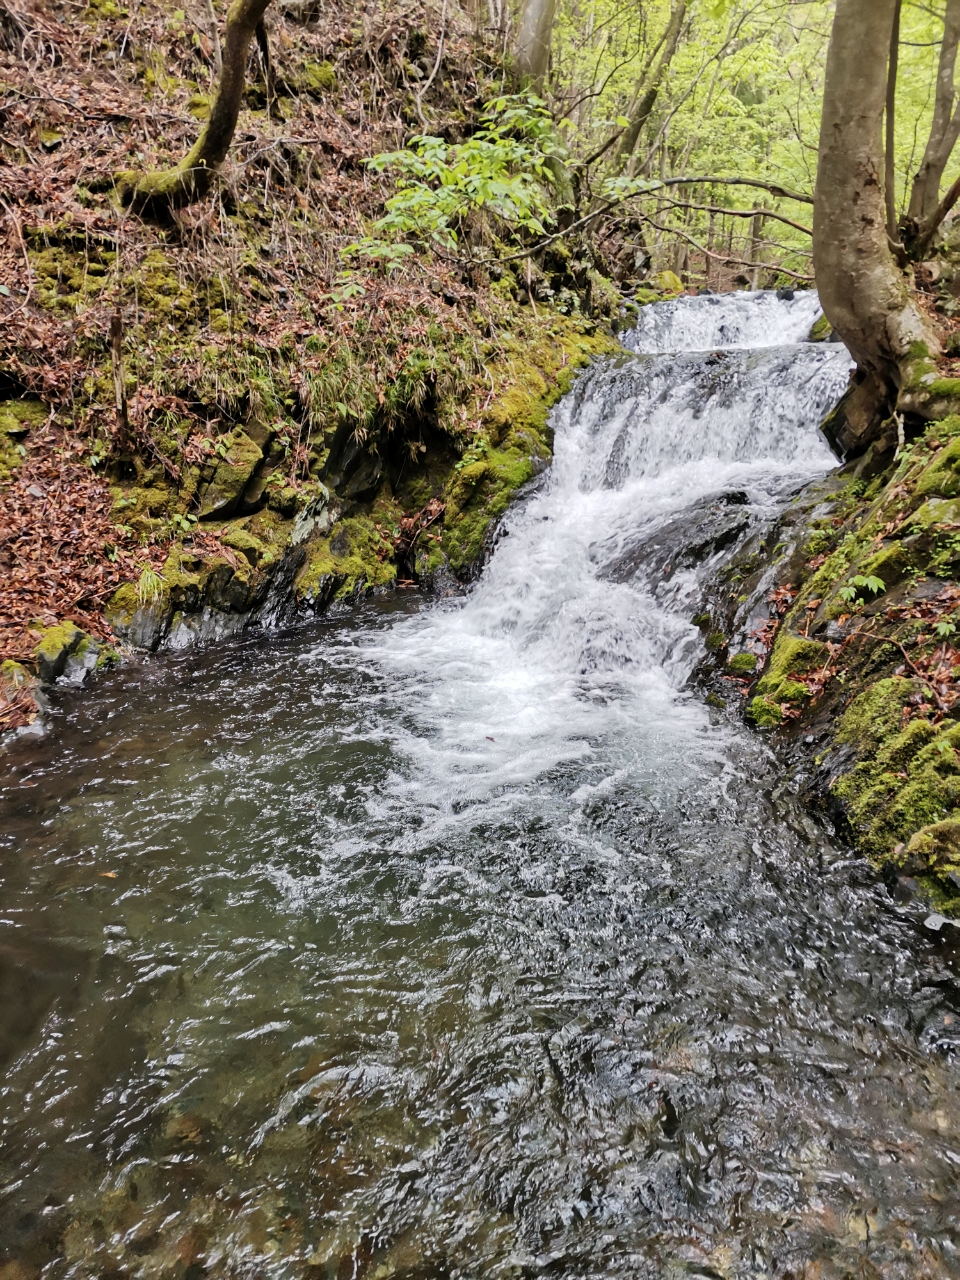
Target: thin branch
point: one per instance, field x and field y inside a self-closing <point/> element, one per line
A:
<point x="722" y="257"/>
<point x="215" y="39"/>
<point x="26" y="258"/>
<point x="741" y="213"/>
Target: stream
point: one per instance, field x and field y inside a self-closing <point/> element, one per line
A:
<point x="461" y="938"/>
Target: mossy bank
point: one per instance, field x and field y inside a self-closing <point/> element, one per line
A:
<point x="840" y="629"/>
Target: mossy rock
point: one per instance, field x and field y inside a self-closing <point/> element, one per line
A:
<point x="891" y="566"/>
<point x="318" y="79"/>
<point x="354" y="558"/>
<point x="14" y="675"/>
<point x="19" y="417"/>
<point x="941" y="478"/>
<point x="933" y="848"/>
<point x="764" y="713"/>
<point x="240" y="539"/>
<point x="821" y="331"/>
<point x="876" y="714"/>
<point x="55" y="647"/>
<point x="743" y="664"/>
<point x="792" y="655"/>
<point x="232" y="475"/>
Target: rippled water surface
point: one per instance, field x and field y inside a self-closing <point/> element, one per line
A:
<point x="457" y="939"/>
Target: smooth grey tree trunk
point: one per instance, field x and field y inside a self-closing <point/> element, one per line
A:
<point x="864" y="293"/>
<point x="534" y="38"/>
<point x="945" y="128"/>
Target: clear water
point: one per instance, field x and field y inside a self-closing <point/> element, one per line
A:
<point x="461" y="940"/>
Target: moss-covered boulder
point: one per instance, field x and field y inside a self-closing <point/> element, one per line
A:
<point x="742" y="664"/>
<point x="764" y="713"/>
<point x="55" y="647"/>
<point x="792" y="656"/>
<point x="355" y="557"/>
<point x="934" y="848"/>
<point x="941" y="478"/>
<point x="232" y="475"/>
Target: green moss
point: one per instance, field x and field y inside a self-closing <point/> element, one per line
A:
<point x="19" y="417"/>
<point x="934" y="512"/>
<point x="941" y="477"/>
<point x="743" y="663"/>
<point x="475" y="502"/>
<point x="906" y="778"/>
<point x="792" y="655"/>
<point x="354" y="557"/>
<point x="876" y="714"/>
<point x="56" y="645"/>
<point x="891" y="565"/>
<point x="822" y="330"/>
<point x="945" y="429"/>
<point x="232" y="475"/>
<point x="198" y="104"/>
<point x="240" y="539"/>
<point x="318" y="78"/>
<point x="716" y="641"/>
<point x="14" y="675"/>
<point x="764" y="713"/>
<point x="122" y="605"/>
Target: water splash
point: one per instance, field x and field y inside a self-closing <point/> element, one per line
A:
<point x="556" y="650"/>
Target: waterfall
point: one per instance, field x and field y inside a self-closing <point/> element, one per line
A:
<point x="575" y="628"/>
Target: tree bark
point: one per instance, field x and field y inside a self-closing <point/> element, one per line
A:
<point x="648" y="87"/>
<point x="534" y="38"/>
<point x="864" y="294"/>
<point x="890" y="109"/>
<point x="945" y="129"/>
<point x="192" y="179"/>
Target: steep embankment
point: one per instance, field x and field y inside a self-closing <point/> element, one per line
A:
<point x="838" y="630"/>
<point x="208" y="418"/>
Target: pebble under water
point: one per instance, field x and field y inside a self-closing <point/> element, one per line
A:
<point x="459" y="938"/>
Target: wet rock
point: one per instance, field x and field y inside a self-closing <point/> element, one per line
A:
<point x="188" y="630"/>
<point x="81" y="662"/>
<point x="314" y="520"/>
<point x="935" y="922"/>
<point x="56" y="646"/>
<point x="141" y="625"/>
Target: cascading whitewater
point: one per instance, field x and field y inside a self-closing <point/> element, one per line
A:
<point x="554" y="632"/>
<point x="457" y="939"/>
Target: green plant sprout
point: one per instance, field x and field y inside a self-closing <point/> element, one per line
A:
<point x="871" y="583"/>
<point x="149" y="586"/>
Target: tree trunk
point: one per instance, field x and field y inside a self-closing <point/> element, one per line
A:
<point x="945" y="129"/>
<point x="648" y="87"/>
<point x="532" y="51"/>
<point x="864" y="295"/>
<point x="191" y="180"/>
<point x="890" y="110"/>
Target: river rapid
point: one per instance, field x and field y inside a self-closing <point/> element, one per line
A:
<point x="460" y="938"/>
